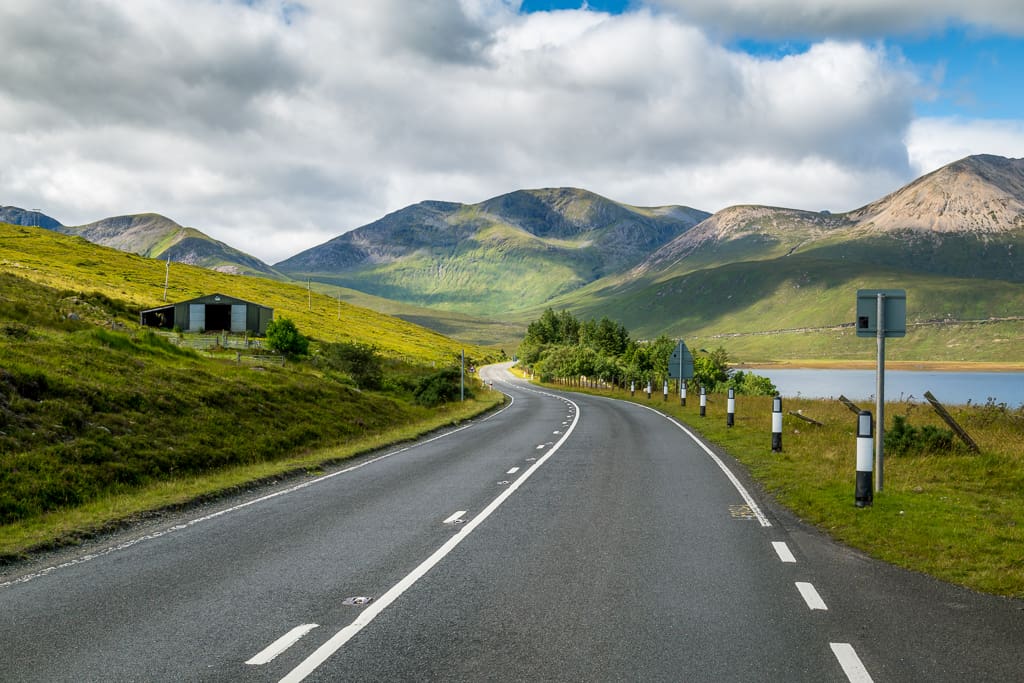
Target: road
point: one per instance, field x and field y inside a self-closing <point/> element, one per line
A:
<point x="563" y="538"/>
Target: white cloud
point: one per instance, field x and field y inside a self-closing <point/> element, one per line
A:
<point x="935" y="142"/>
<point x="845" y="18"/>
<point x="274" y="128"/>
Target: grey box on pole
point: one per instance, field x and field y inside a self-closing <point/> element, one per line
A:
<point x="895" y="312"/>
<point x="680" y="363"/>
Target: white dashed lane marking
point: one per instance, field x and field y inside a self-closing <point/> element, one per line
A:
<point x="810" y="595"/>
<point x="783" y="551"/>
<point x="852" y="666"/>
<point x="281" y="644"/>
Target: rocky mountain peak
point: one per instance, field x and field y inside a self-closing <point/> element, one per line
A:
<point x="981" y="194"/>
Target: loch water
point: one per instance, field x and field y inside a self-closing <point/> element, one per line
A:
<point x="951" y="388"/>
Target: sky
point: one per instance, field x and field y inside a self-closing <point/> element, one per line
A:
<point x="276" y="125"/>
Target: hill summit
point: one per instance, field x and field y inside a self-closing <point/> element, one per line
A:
<point x="508" y="252"/>
<point x="156" y="236"/>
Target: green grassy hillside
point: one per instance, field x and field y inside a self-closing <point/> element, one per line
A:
<point x="73" y="264"/>
<point x="101" y="420"/>
<point x="794" y="307"/>
<point x="156" y="236"/>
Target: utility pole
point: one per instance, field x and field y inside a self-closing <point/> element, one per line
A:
<point x="167" y="277"/>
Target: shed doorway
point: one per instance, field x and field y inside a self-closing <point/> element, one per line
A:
<point x="218" y="317"/>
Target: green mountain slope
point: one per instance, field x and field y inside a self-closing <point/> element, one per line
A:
<point x="503" y="254"/>
<point x="157" y="236"/>
<point x="780" y="283"/>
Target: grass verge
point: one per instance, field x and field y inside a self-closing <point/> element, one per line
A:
<point x="68" y="526"/>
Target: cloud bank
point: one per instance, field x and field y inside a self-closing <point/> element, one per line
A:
<point x="275" y="126"/>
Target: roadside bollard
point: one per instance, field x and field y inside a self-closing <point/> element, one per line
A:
<point x="648" y="390"/>
<point x="682" y="392"/>
<point x="730" y="410"/>
<point x="777" y="424"/>
<point x="703" y="401"/>
<point x="865" y="459"/>
<point x="665" y="391"/>
<point x="632" y="388"/>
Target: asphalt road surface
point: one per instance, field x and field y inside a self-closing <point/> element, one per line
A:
<point x="562" y="538"/>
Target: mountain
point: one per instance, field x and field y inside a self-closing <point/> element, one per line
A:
<point x="965" y="219"/>
<point x="502" y="254"/>
<point x="157" y="236"/>
<point x="15" y="216"/>
<point x="780" y="283"/>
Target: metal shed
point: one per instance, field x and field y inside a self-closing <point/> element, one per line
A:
<point x="213" y="312"/>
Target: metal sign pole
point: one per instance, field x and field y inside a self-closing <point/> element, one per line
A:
<point x="880" y="394"/>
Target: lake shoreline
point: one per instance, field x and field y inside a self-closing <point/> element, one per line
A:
<point x="906" y="365"/>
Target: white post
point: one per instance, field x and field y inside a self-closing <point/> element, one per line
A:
<point x="777" y="424"/>
<point x="730" y="409"/>
<point x="167" y="277"/>
<point x="880" y="394"/>
<point x="863" y="496"/>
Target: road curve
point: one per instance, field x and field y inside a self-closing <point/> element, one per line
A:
<point x="564" y="537"/>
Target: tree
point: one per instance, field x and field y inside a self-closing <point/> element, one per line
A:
<point x="284" y="336"/>
<point x="360" y="361"/>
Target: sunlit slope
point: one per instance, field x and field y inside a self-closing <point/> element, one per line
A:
<point x="794" y="307"/>
<point x="156" y="236"/>
<point x="500" y="255"/>
<point x="76" y="265"/>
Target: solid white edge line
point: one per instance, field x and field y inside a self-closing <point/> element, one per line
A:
<point x="457" y="515"/>
<point x="747" y="498"/>
<point x="783" y="551"/>
<point x="810" y="595"/>
<point x="852" y="666"/>
<point x="206" y="518"/>
<point x="336" y="642"/>
<point x="281" y="644"/>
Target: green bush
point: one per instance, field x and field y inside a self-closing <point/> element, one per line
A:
<point x="357" y="360"/>
<point x="284" y="336"/>
<point x="441" y="387"/>
<point x="905" y="439"/>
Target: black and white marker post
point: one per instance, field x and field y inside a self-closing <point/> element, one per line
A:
<point x="703" y="401"/>
<point x="730" y="409"/>
<point x="865" y="460"/>
<point x="665" y="394"/>
<point x="632" y="387"/>
<point x="777" y="424"/>
<point x="648" y="390"/>
<point x="682" y="392"/>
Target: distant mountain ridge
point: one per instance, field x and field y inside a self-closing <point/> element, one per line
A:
<point x="504" y="253"/>
<point x="965" y="219"/>
<point x="156" y="236"/>
<point x="17" y="216"/>
<point x="657" y="269"/>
